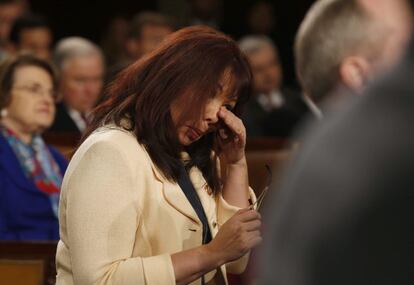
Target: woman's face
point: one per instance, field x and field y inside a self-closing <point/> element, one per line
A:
<point x="191" y="130"/>
<point x="32" y="106"/>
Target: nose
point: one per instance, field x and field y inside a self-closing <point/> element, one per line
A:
<point x="49" y="99"/>
<point x="211" y="112"/>
<point x="47" y="96"/>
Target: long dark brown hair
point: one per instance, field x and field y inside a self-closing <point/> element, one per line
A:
<point x="189" y="63"/>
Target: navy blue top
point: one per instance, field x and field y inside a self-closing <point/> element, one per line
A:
<point x="25" y="211"/>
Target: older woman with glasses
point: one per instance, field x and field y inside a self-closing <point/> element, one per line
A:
<point x="30" y="171"/>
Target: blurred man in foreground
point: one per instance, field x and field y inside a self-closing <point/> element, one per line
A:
<point x="347" y="43"/>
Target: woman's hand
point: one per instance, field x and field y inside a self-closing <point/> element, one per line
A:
<point x="237" y="236"/>
<point x="231" y="137"/>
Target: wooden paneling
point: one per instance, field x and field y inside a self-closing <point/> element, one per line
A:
<point x="21" y="272"/>
<point x="24" y="261"/>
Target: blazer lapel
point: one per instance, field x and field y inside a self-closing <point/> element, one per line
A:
<point x="204" y="194"/>
<point x="175" y="196"/>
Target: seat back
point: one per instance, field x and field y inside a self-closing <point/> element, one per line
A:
<point x="27" y="263"/>
<point x="65" y="143"/>
<point x="261" y="152"/>
<point x="21" y="272"/>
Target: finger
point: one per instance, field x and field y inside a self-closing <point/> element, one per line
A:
<point x="253" y="234"/>
<point x="241" y="211"/>
<point x="252" y="225"/>
<point x="223" y="134"/>
<point x="255" y="241"/>
<point x="232" y="122"/>
<point x="249" y="215"/>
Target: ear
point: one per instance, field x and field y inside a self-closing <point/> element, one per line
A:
<point x="354" y="72"/>
<point x="133" y="47"/>
<point x="3" y="113"/>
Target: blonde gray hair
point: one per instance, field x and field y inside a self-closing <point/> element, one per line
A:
<point x="331" y="31"/>
<point x="254" y="43"/>
<point x="72" y="47"/>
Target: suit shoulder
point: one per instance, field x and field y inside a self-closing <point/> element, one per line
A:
<point x="116" y="141"/>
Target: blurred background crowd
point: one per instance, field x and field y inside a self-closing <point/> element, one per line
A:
<point x="94" y="44"/>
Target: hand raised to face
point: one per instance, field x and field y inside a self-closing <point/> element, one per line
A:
<point x="231" y="135"/>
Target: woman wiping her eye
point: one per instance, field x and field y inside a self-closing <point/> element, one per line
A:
<point x="143" y="201"/>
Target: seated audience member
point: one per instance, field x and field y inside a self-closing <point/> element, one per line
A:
<point x="273" y="110"/>
<point x="206" y="12"/>
<point x="81" y="67"/>
<point x="10" y="10"/>
<point x="261" y="18"/>
<point x="30" y="171"/>
<point x="31" y="33"/>
<point x="114" y="40"/>
<point x="146" y="31"/>
<point x="346" y="43"/>
<point x="344" y="213"/>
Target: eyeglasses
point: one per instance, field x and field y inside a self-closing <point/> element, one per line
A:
<point x="37" y="90"/>
<point x="260" y="198"/>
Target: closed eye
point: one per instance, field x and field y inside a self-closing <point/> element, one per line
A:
<point x="228" y="107"/>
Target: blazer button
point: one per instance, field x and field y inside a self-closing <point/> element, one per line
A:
<point x="214" y="224"/>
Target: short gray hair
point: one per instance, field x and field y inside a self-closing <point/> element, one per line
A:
<point x="331" y="31"/>
<point x="72" y="47"/>
<point x="255" y="43"/>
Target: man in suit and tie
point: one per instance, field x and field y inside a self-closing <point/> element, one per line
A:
<point x="81" y="67"/>
<point x="273" y="110"/>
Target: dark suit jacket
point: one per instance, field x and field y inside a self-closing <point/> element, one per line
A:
<point x="345" y="211"/>
<point x="25" y="211"/>
<point x="281" y="122"/>
<point x="63" y="122"/>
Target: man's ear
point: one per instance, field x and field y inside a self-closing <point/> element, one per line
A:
<point x="354" y="72"/>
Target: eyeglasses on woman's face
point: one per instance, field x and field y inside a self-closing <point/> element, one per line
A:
<point x="31" y="99"/>
<point x="37" y="90"/>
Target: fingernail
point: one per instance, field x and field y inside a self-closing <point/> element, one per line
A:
<point x="222" y="133"/>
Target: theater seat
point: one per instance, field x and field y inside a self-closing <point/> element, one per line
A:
<point x="27" y="263"/>
<point x="65" y="143"/>
<point x="21" y="272"/>
<point x="261" y="152"/>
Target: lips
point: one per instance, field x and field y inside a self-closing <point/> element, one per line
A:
<point x="194" y="133"/>
<point x="47" y="111"/>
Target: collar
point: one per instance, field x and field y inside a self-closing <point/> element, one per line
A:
<point x="77" y="118"/>
<point x="271" y="101"/>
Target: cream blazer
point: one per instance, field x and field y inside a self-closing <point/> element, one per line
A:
<point x="120" y="219"/>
